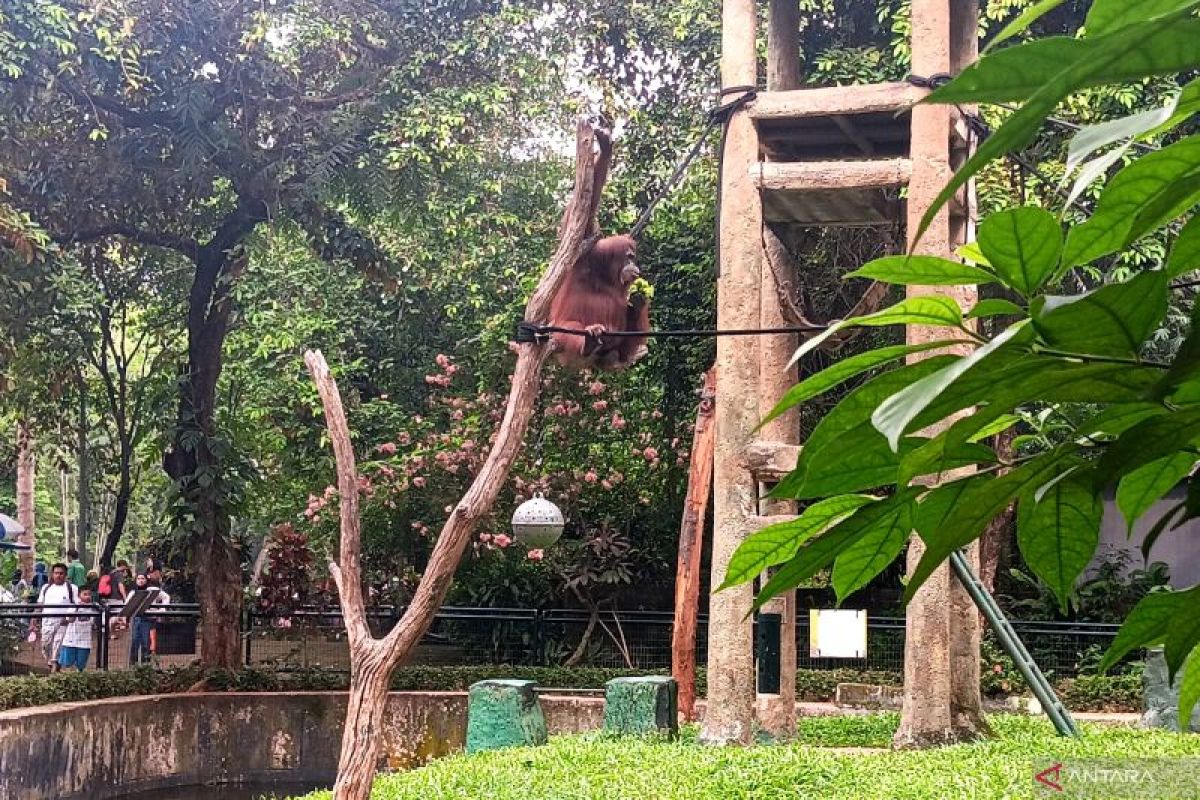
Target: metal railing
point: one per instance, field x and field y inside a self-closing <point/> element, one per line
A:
<point x="314" y="637"/>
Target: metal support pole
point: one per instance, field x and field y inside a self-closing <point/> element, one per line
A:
<point x="1012" y="644"/>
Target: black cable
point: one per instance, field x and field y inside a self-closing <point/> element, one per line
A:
<point x="528" y="332"/>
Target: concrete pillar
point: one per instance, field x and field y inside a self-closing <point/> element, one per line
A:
<point x="503" y="713"/>
<point x="941" y="655"/>
<point x="641" y="705"/>
<point x="729" y="715"/>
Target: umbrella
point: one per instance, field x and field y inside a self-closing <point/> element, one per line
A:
<point x="10" y="527"/>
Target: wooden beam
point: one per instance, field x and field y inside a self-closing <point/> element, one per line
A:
<point x="846" y="126"/>
<point x="828" y="101"/>
<point x="771" y="460"/>
<point x="830" y="175"/>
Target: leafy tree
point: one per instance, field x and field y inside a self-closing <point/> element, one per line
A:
<point x="1087" y="355"/>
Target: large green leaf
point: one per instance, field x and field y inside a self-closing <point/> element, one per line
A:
<point x="1095" y="137"/>
<point x="975" y="507"/>
<point x="819" y="552"/>
<point x="922" y="271"/>
<point x="1185" y="253"/>
<point x="934" y="310"/>
<point x="1183" y="631"/>
<point x="1186" y="364"/>
<point x="1118" y="418"/>
<point x="995" y="307"/>
<point x="1023" y="246"/>
<point x="777" y="543"/>
<point x="1163" y="46"/>
<point x="862" y="461"/>
<point x="1145" y="442"/>
<point x="1023" y="20"/>
<point x="1145" y="626"/>
<point x="1114" y="320"/>
<point x="936" y="505"/>
<point x="1189" y="687"/>
<point x="1132" y="204"/>
<point x="1106" y="16"/>
<point x="867" y="556"/>
<point x="1059" y="534"/>
<point x="944" y="451"/>
<point x="851" y="419"/>
<point x="895" y="414"/>
<point x="846" y="368"/>
<point x="1145" y="486"/>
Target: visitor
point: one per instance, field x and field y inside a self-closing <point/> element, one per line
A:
<point x="76" y="571"/>
<point x="39" y="576"/>
<point x="161" y="598"/>
<point x="112" y="587"/>
<point x="142" y="645"/>
<point x="52" y="628"/>
<point x="80" y="631"/>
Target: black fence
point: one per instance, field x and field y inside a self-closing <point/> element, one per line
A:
<point x="467" y="636"/>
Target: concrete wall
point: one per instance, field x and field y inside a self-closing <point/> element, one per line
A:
<point x="1175" y="548"/>
<point x="102" y="749"/>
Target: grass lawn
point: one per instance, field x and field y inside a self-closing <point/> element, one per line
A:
<point x="599" y="767"/>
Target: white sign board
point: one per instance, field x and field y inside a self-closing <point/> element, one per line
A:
<point x="837" y="633"/>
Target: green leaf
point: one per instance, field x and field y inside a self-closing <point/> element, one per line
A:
<point x="1185" y="253"/>
<point x="1183" y="631"/>
<point x="1059" y="534"/>
<point x="1186" y="364"/>
<point x="1118" y="418"/>
<point x="1145" y="442"/>
<point x="819" y="552"/>
<point x="995" y="307"/>
<point x="895" y="414"/>
<point x="1121" y="212"/>
<point x="775" y="544"/>
<point x="1023" y="246"/>
<point x="976" y="506"/>
<point x="871" y="465"/>
<point x="1189" y="688"/>
<point x="922" y="271"/>
<point x="998" y="425"/>
<point x="935" y="506"/>
<point x="1157" y="529"/>
<point x="934" y="310"/>
<point x="1141" y="489"/>
<point x="1163" y="46"/>
<point x="971" y="252"/>
<point x="1106" y="16"/>
<point x="943" y="452"/>
<point x="1023" y="21"/>
<point x="867" y="556"/>
<point x="844" y="369"/>
<point x="1114" y="320"/>
<point x="1145" y="626"/>
<point x="851" y="419"/>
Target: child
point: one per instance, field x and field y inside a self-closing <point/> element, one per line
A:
<point x="77" y="643"/>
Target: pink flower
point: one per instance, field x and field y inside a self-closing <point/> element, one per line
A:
<point x="443" y="361"/>
<point x="618" y="421"/>
<point x="535" y="555"/>
<point x="485" y="537"/>
<point x="387" y="448"/>
<point x="591" y="476"/>
<point x="650" y="453"/>
<point x="596" y="388"/>
<point x="419" y="482"/>
<point x="502" y="540"/>
<point x="600" y="405"/>
<point x="404" y="438"/>
<point x="607" y="484"/>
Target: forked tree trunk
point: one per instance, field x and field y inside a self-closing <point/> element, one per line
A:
<point x="372" y="660"/>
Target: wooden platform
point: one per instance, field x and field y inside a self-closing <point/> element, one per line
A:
<point x="835" y="156"/>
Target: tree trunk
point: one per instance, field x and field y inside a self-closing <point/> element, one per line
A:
<point x="691" y="547"/>
<point x="120" y="511"/>
<point x="994" y="544"/>
<point x="83" y="532"/>
<point x="26" y="478"/>
<point x="363" y="731"/>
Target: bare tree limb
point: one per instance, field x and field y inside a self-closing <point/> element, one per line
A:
<point x="181" y="244"/>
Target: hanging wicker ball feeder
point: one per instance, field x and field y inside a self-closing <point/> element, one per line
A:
<point x="537" y="523"/>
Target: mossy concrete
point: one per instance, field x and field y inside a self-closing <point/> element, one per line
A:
<point x="642" y="705"/>
<point x="504" y="713"/>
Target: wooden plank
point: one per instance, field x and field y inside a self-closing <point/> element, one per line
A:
<point x="835" y="100"/>
<point x="691" y="545"/>
<point x="771" y="460"/>
<point x="830" y="175"/>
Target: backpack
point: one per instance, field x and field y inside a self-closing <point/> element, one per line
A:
<point x="70" y="593"/>
<point x="105" y="588"/>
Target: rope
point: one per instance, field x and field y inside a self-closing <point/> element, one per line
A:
<point x="528" y="332"/>
<point x="717" y="116"/>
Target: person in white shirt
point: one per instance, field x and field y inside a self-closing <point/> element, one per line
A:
<point x="58" y="592"/>
<point x="77" y="641"/>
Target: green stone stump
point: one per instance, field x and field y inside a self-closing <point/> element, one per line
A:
<point x="503" y="713"/>
<point x="642" y="705"/>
